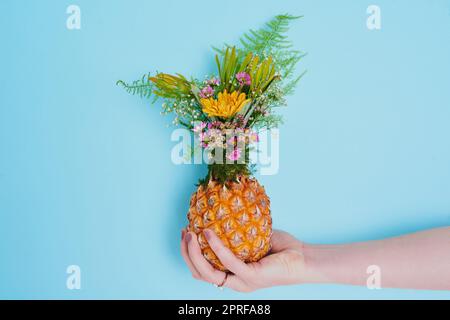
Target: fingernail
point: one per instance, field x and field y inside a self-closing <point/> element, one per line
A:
<point x="188" y="237"/>
<point x="207" y="234"/>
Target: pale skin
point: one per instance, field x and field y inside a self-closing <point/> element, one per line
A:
<point x="419" y="260"/>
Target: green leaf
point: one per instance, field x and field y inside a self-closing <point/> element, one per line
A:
<point x="142" y="87"/>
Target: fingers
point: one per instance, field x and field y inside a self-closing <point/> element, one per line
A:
<point x="228" y="259"/>
<point x="202" y="270"/>
<point x="278" y="240"/>
<point x="206" y="271"/>
<point x="185" y="254"/>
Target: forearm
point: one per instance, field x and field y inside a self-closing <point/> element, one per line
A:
<point x="417" y="261"/>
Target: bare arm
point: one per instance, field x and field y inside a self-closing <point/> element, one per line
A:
<point x="417" y="261"/>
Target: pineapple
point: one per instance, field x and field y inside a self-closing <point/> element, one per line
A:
<point x="238" y="212"/>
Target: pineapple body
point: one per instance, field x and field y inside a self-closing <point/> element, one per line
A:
<point x="238" y="212"/>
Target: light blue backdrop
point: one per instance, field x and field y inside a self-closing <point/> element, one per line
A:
<point x="85" y="170"/>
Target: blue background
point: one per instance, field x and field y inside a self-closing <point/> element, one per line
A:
<point x="85" y="170"/>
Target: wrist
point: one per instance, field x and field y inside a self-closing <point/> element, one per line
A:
<point x="315" y="264"/>
<point x="343" y="264"/>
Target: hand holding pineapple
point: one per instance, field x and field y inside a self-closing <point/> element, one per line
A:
<point x="283" y="266"/>
<point x="419" y="260"/>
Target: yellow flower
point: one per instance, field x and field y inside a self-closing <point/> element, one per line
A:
<point x="226" y="105"/>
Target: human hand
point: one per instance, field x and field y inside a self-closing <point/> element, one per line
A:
<point x="284" y="265"/>
<point x="291" y="262"/>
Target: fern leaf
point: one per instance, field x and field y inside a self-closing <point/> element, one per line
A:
<point x="269" y="41"/>
<point x="142" y="87"/>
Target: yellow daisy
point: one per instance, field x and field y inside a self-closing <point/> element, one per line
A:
<point x="226" y="105"/>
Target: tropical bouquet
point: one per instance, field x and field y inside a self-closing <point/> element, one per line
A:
<point x="226" y="111"/>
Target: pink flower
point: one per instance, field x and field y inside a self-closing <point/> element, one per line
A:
<point x="235" y="155"/>
<point x="254" y="137"/>
<point x="243" y="78"/>
<point x="206" y="92"/>
<point x="217" y="124"/>
<point x="213" y="82"/>
<point x="239" y="121"/>
<point x="232" y="141"/>
<point x="214" y="125"/>
<point x="203" y="139"/>
<point x="199" y="127"/>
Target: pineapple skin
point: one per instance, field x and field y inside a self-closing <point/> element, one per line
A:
<point x="238" y="212"/>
